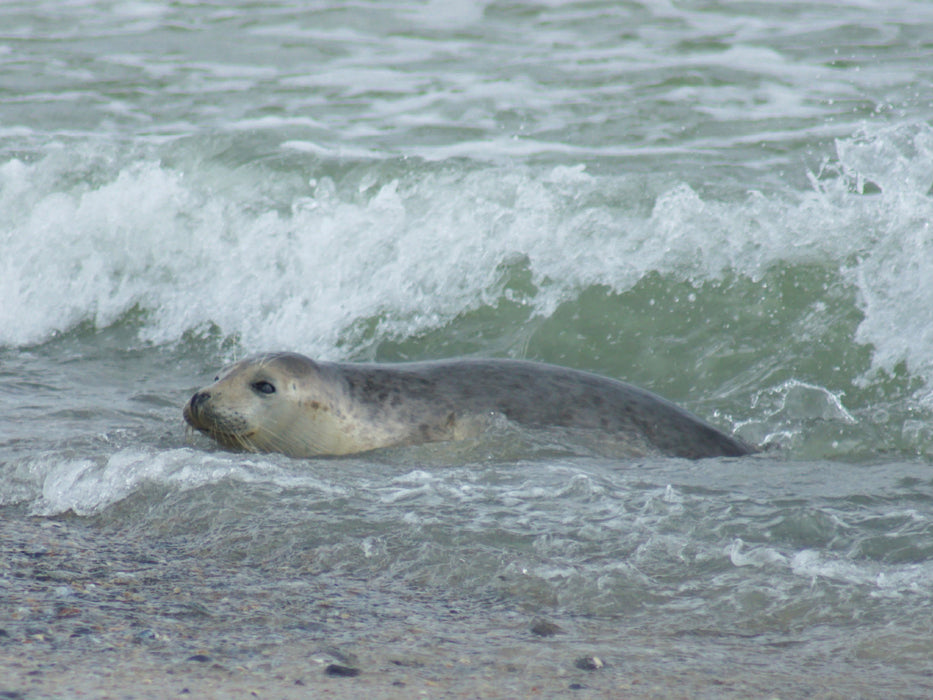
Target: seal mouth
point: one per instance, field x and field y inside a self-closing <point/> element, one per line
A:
<point x="197" y="415"/>
<point x="233" y="441"/>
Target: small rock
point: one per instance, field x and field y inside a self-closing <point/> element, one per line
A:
<point x="545" y="628"/>
<point x="589" y="663"/>
<point x="146" y="635"/>
<point x="200" y="658"/>
<point x="67" y="611"/>
<point x="341" y="671"/>
<point x="347" y="658"/>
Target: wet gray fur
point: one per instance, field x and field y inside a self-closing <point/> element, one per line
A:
<point x="430" y="397"/>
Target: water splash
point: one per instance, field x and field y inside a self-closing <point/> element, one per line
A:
<point x="332" y="264"/>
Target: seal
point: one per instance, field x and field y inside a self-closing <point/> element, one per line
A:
<point x="286" y="402"/>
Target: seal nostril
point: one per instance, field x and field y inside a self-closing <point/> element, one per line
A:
<point x="198" y="399"/>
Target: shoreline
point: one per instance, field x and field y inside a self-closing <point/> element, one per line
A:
<point x="92" y="615"/>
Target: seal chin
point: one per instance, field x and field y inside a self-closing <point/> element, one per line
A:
<point x="201" y="414"/>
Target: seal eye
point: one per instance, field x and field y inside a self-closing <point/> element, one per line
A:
<point x="264" y="387"/>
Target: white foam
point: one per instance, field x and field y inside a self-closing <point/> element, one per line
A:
<point x="887" y="581"/>
<point x="803" y="401"/>
<point x="447" y="14"/>
<point x="87" y="486"/>
<point x="207" y="247"/>
<point x="895" y="260"/>
<point x="742" y="555"/>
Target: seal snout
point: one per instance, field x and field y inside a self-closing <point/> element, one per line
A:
<point x="199" y="398"/>
<point x="193" y="407"/>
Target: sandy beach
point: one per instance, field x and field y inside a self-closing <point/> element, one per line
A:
<point x="88" y="615"/>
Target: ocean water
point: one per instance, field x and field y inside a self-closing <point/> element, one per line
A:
<point x="728" y="203"/>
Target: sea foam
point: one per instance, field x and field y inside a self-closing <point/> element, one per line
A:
<point x="198" y="248"/>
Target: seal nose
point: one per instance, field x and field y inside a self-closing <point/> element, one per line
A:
<point x="193" y="406"/>
<point x="198" y="399"/>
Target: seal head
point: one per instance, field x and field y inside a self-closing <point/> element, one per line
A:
<point x="270" y="403"/>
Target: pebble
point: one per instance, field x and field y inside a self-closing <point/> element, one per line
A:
<point x="545" y="628"/>
<point x="589" y="663"/>
<point x="341" y="671"/>
<point x="146" y="635"/>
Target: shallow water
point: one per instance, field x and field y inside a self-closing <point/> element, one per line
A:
<point x="728" y="204"/>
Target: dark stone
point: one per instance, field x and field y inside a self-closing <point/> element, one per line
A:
<point x="545" y="628"/>
<point x="589" y="663"/>
<point x="341" y="671"/>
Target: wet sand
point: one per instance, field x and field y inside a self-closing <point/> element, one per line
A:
<point x="87" y="613"/>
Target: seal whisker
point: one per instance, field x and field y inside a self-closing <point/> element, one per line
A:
<point x="280" y="441"/>
<point x="246" y="443"/>
<point x="189" y="434"/>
